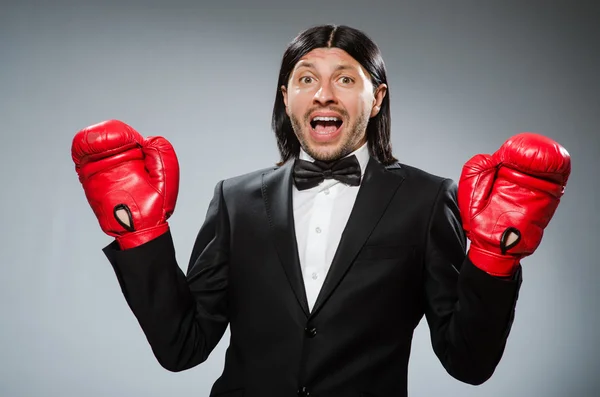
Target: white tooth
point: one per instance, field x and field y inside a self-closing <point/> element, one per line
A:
<point x="321" y="118"/>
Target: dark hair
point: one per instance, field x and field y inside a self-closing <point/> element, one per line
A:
<point x="365" y="51"/>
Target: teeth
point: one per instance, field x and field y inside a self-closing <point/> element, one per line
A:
<point x="320" y="118"/>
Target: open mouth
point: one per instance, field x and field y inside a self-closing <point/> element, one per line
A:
<point x="325" y="125"/>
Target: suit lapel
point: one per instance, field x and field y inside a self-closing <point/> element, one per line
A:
<point x="277" y="195"/>
<point x="376" y="190"/>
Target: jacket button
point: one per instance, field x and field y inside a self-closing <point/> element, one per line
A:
<point x="302" y="392"/>
<point x="311" y="332"/>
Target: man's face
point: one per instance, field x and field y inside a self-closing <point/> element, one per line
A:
<point x="330" y="99"/>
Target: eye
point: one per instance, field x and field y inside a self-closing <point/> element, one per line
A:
<point x="306" y="79"/>
<point x="346" y="80"/>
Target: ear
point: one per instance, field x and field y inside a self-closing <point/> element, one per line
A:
<point x="284" y="93"/>
<point x="379" y="95"/>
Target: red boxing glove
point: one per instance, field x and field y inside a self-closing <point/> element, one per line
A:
<point x="130" y="182"/>
<point x="507" y="199"/>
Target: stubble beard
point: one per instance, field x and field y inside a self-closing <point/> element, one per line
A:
<point x="349" y="142"/>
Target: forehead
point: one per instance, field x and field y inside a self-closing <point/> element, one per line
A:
<point x="329" y="57"/>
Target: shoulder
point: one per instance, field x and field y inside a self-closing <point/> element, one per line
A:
<point x="249" y="176"/>
<point x="247" y="181"/>
<point x="420" y="179"/>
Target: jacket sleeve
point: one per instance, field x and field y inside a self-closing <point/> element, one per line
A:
<point x="183" y="318"/>
<point x="469" y="312"/>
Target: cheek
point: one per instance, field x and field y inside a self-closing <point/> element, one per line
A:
<point x="296" y="105"/>
<point x="357" y="108"/>
<point x="294" y="110"/>
<point x="356" y="103"/>
<point x="366" y="104"/>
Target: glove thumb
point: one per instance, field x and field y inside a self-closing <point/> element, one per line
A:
<point x="163" y="170"/>
<point x="474" y="187"/>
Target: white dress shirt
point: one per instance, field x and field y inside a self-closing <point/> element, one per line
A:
<point x="320" y="216"/>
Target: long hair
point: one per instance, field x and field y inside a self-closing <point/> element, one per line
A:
<point x="365" y="51"/>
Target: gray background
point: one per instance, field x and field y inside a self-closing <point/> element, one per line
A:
<point x="463" y="78"/>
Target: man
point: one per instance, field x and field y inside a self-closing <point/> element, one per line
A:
<point x="324" y="264"/>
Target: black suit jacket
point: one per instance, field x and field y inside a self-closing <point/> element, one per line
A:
<point x="401" y="256"/>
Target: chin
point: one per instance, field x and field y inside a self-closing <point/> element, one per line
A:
<point x="325" y="152"/>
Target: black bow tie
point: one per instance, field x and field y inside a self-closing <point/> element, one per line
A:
<point x="309" y="174"/>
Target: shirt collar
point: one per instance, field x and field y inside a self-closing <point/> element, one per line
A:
<point x="362" y="155"/>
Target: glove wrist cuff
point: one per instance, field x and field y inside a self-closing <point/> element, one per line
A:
<point x="135" y="239"/>
<point x="493" y="264"/>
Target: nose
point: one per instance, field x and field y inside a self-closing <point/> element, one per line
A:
<point x="325" y="95"/>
